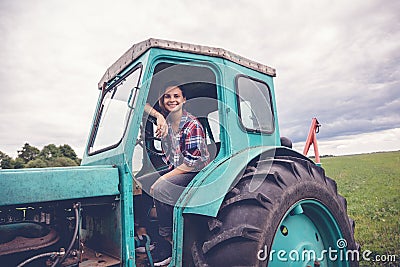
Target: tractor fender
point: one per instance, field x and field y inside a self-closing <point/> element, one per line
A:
<point x="204" y="196"/>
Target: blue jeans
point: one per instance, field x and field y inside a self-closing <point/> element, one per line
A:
<point x="166" y="194"/>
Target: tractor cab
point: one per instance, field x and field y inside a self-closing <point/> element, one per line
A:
<point x="223" y="95"/>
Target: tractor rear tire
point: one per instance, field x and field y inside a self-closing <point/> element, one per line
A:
<point x="250" y="221"/>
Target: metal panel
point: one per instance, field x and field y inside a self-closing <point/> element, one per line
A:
<point x="49" y="184"/>
<point x="207" y="192"/>
<point x="140" y="48"/>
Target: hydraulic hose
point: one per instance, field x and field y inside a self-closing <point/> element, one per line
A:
<point x="60" y="260"/>
<point x="48" y="254"/>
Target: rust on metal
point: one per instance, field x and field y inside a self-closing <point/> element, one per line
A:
<point x="140" y="48"/>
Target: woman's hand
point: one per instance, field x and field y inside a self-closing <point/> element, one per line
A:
<point x="162" y="126"/>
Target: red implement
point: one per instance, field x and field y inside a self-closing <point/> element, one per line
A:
<point x="312" y="139"/>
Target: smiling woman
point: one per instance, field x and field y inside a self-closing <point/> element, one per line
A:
<point x="186" y="153"/>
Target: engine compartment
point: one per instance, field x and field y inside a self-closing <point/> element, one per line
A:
<point x="83" y="232"/>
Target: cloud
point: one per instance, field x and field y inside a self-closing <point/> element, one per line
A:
<point x="336" y="60"/>
<point x="350" y="82"/>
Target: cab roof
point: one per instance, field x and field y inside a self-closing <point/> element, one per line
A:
<point x="140" y="48"/>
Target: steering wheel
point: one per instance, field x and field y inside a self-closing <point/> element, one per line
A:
<point x="148" y="136"/>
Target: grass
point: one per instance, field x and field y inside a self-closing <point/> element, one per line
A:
<point x="371" y="185"/>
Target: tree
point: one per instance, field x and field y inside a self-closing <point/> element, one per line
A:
<point x="6" y="162"/>
<point x="31" y="157"/>
<point x="28" y="153"/>
<point x="50" y="152"/>
<point x="18" y="163"/>
<point x="63" y="162"/>
<point x="68" y="152"/>
<point x="36" y="163"/>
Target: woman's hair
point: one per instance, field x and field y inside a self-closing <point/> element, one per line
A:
<point x="172" y="84"/>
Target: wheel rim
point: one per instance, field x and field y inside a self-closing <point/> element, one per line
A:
<point x="308" y="235"/>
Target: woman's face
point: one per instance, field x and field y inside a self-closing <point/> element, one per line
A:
<point x="173" y="99"/>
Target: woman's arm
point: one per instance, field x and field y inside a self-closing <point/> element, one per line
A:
<point x="162" y="127"/>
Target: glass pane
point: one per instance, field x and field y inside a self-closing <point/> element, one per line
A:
<point x="137" y="159"/>
<point x="254" y="105"/>
<point x="157" y="143"/>
<point x="115" y="112"/>
<point x="213" y="120"/>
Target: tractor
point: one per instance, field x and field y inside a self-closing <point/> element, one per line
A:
<point x="257" y="203"/>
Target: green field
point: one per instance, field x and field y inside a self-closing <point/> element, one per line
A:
<point x="371" y="185"/>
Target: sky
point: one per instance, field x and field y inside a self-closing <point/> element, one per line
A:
<point x="336" y="60"/>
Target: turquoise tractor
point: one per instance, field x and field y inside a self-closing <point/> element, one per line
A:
<point x="257" y="203"/>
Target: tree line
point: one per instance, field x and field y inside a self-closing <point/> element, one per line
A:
<point x="31" y="157"/>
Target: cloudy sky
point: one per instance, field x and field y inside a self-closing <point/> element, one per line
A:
<point x="336" y="60"/>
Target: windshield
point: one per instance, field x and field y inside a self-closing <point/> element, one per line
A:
<point x="114" y="112"/>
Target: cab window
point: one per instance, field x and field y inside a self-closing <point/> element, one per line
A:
<point x="254" y="105"/>
<point x="117" y="103"/>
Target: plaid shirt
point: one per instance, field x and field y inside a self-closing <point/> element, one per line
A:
<point x="187" y="146"/>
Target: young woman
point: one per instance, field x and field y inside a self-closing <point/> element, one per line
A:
<point x="185" y="153"/>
